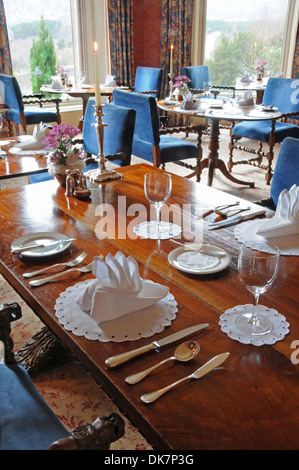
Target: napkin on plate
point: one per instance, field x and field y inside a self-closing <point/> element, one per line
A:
<point x="286" y="219"/>
<point x="34" y="142"/>
<point x="118" y="289"/>
<point x="110" y="81"/>
<point x="56" y="84"/>
<point x="246" y="78"/>
<point x="246" y="99"/>
<point x="188" y="101"/>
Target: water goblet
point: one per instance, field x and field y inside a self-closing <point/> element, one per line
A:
<point x="206" y="87"/>
<point x="82" y="78"/>
<point x="157" y="190"/>
<point x="257" y="270"/>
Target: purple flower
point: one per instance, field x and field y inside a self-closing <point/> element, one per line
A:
<point x="60" y="140"/>
<point x="181" y="81"/>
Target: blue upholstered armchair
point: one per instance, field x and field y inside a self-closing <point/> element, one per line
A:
<point x="281" y="93"/>
<point x="198" y="75"/>
<point x="20" y="112"/>
<point x="26" y="421"/>
<point x="155" y="145"/>
<point x="118" y="137"/>
<point x="286" y="172"/>
<point x="149" y="80"/>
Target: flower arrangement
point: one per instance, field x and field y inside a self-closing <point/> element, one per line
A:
<point x="260" y="66"/>
<point x="181" y="82"/>
<point x="65" y="154"/>
<point x="61" y="72"/>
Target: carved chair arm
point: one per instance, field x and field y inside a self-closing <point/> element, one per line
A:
<point x="8" y="314"/>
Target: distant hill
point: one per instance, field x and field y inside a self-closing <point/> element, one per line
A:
<point x="19" y="11"/>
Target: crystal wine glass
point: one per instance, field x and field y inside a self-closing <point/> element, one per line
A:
<point x="257" y="270"/>
<point x="157" y="190"/>
<point x="206" y="87"/>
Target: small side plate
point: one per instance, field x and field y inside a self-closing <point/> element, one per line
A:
<point x="41" y="237"/>
<point x="196" y="263"/>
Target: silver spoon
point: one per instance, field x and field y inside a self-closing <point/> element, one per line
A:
<point x="183" y="353"/>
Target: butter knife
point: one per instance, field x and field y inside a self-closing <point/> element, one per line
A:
<point x="235" y="220"/>
<point x="115" y="361"/>
<point x="40" y="245"/>
<point x="203" y="370"/>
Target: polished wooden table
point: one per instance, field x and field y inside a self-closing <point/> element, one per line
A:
<point x="214" y="115"/>
<point x="13" y="165"/>
<point x="251" y="402"/>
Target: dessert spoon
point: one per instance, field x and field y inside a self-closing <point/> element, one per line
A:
<point x="183" y="353"/>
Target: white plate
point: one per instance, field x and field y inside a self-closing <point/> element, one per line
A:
<point x="213" y="264"/>
<point x="216" y="105"/>
<point x="269" y="108"/>
<point x="42" y="237"/>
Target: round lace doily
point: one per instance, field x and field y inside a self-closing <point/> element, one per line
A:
<point x="246" y="234"/>
<point x="149" y="230"/>
<point x="141" y="324"/>
<point x="279" y="331"/>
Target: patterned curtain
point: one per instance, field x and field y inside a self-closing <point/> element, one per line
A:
<point x="5" y="65"/>
<point x="120" y="15"/>
<point x="176" y="29"/>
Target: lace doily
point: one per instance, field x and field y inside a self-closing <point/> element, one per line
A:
<point x="279" y="331"/>
<point x="246" y="234"/>
<point x="141" y="324"/>
<point x="149" y="230"/>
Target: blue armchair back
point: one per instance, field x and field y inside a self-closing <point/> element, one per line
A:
<point x="10" y="92"/>
<point x="283" y="93"/>
<point x="118" y="134"/>
<point x="149" y="79"/>
<point x="197" y="74"/>
<point x="286" y="172"/>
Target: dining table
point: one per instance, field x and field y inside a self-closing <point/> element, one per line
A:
<point x="215" y="111"/>
<point x="84" y="92"/>
<point x="250" y="401"/>
<point x="15" y="165"/>
<point x="257" y="86"/>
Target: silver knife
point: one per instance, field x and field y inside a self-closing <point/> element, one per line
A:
<point x="40" y="245"/>
<point x="115" y="361"/>
<point x="203" y="370"/>
<point x="235" y="220"/>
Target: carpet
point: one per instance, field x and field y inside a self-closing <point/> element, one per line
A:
<point x="70" y="392"/>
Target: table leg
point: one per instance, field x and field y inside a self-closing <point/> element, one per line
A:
<point x="213" y="162"/>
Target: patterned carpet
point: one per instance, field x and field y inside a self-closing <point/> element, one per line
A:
<point x="69" y="391"/>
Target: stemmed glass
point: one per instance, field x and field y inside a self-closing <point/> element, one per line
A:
<point x="206" y="87"/>
<point x="257" y="270"/>
<point x="157" y="190"/>
<point x="82" y="78"/>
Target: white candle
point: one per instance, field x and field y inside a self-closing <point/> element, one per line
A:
<point x="96" y="73"/>
<point x="171" y="59"/>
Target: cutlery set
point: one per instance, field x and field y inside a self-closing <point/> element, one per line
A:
<point x="69" y="264"/>
<point x="183" y="353"/>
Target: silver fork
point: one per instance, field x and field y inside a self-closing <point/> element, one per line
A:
<point x="69" y="264"/>
<point x="39" y="282"/>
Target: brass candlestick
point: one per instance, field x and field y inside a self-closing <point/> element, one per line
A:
<point x="102" y="173"/>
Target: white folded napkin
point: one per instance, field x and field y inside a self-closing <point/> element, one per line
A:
<point x="56" y="84"/>
<point x="110" y="81"/>
<point x="286" y="219"/>
<point x="246" y="78"/>
<point x="118" y="289"/>
<point x="34" y="142"/>
<point x="188" y="101"/>
<point x="246" y="99"/>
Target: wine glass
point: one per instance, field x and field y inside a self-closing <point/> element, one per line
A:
<point x="82" y="78"/>
<point x="157" y="190"/>
<point x="257" y="270"/>
<point x="206" y="87"/>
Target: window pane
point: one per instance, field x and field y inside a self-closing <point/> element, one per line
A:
<point x="24" y="21"/>
<point x="241" y="32"/>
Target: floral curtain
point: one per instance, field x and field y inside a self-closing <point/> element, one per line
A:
<point x="5" y="64"/>
<point x="120" y="16"/>
<point x="176" y="30"/>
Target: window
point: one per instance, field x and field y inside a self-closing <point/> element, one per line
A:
<point x="23" y="19"/>
<point x="241" y="32"/>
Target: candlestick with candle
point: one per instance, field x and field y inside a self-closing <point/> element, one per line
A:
<point x="96" y="73"/>
<point x="171" y="60"/>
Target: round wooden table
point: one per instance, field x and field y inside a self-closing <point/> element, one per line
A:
<point x="84" y="93"/>
<point x="206" y="110"/>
